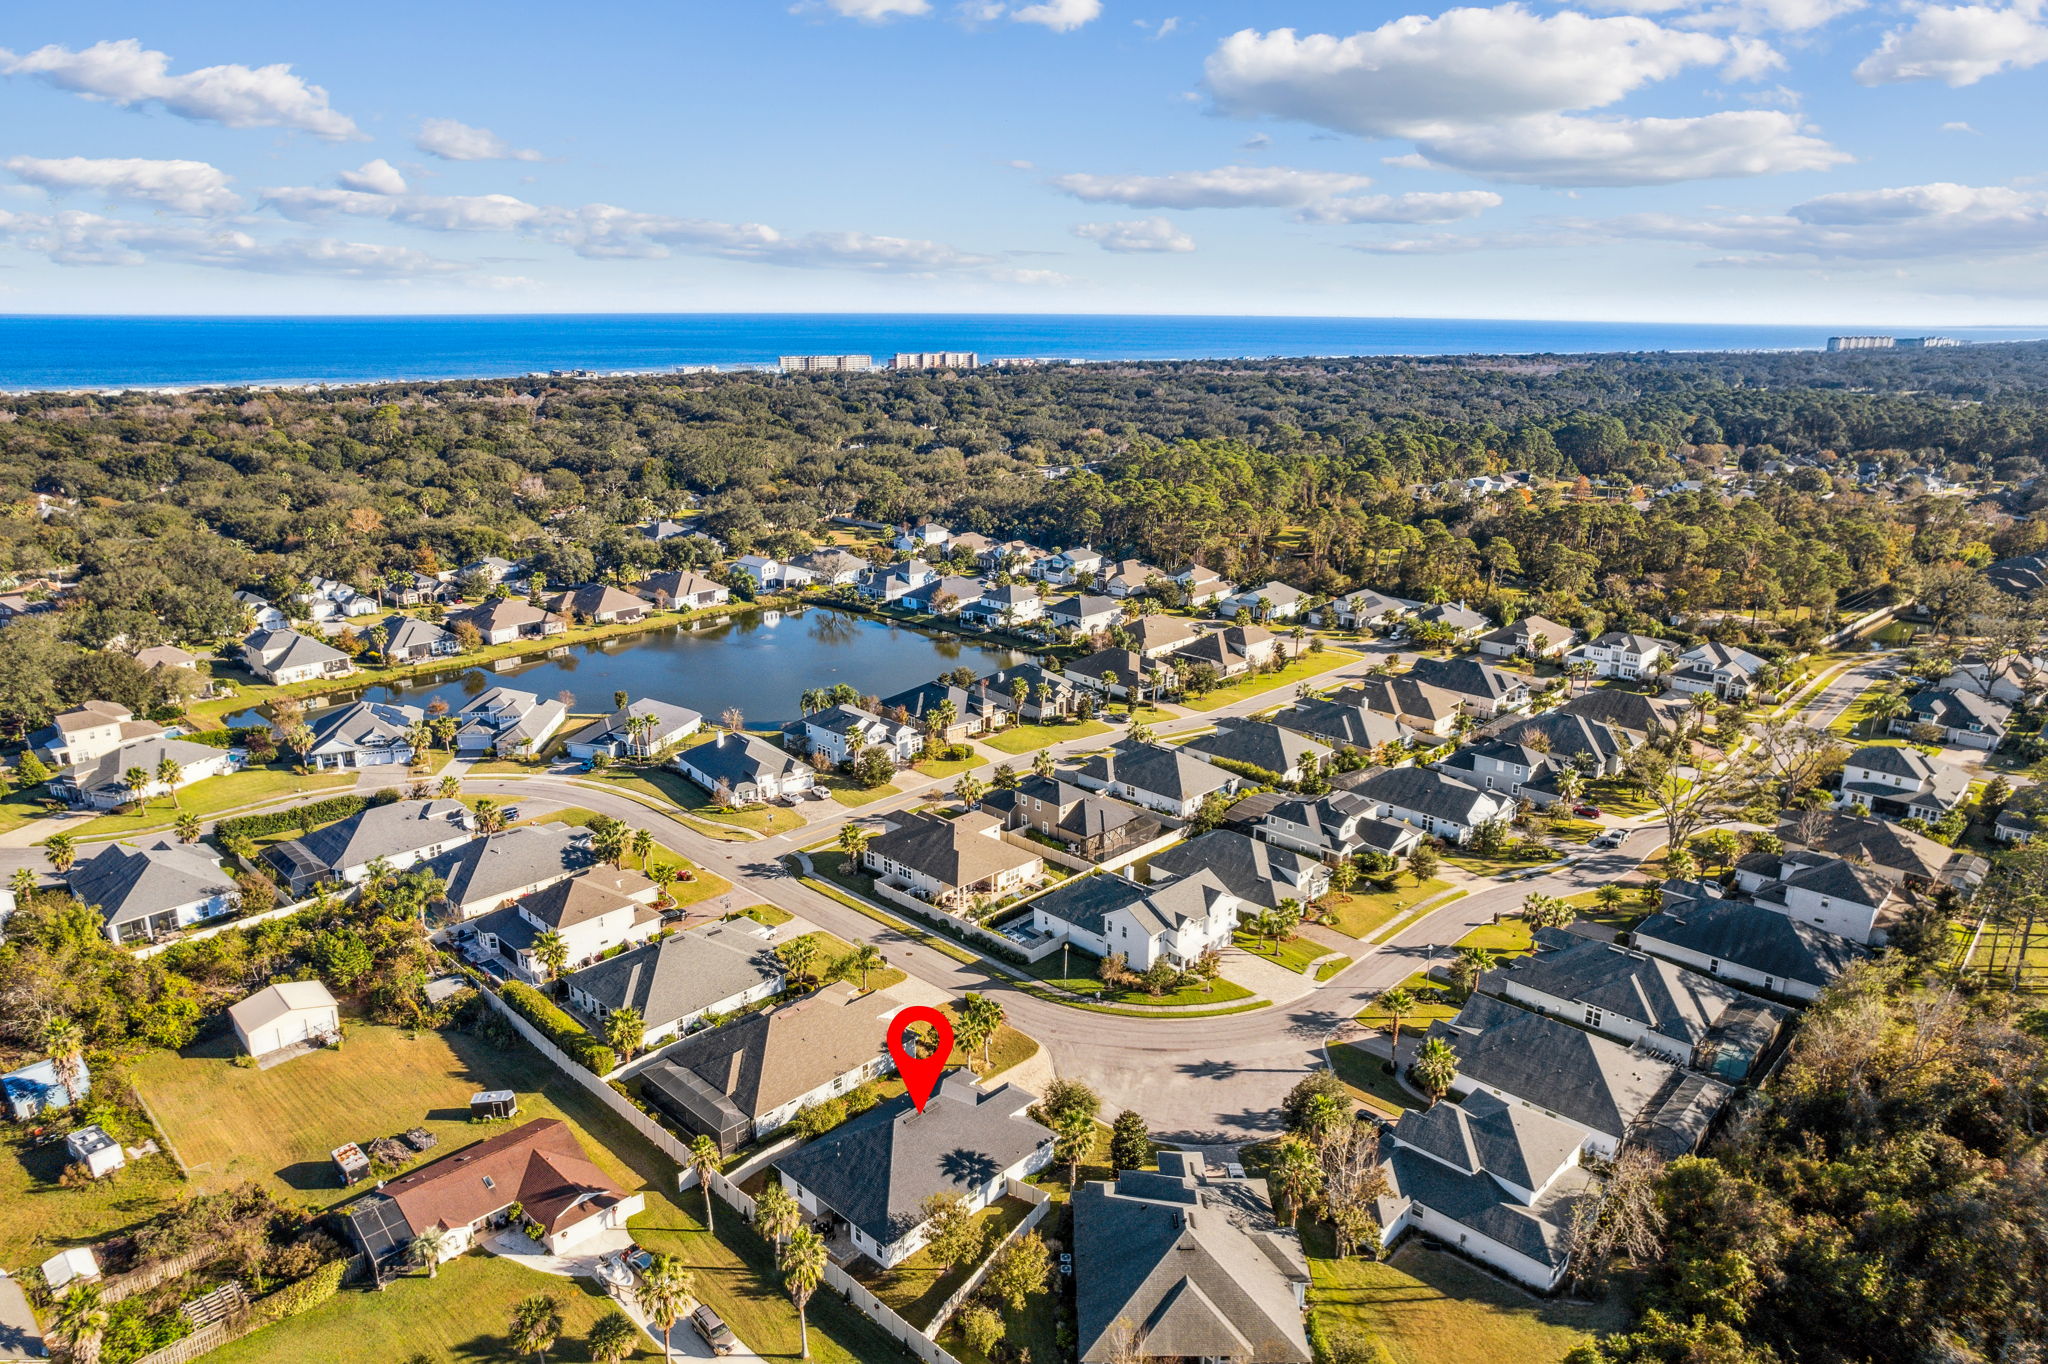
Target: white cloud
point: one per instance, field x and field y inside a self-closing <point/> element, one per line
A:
<point x="373" y="177"/>
<point x="453" y="140"/>
<point x="1417" y="76"/>
<point x="1745" y="16"/>
<point x="1958" y="45"/>
<point x="1444" y="207"/>
<point x="123" y="72"/>
<point x="875" y="11"/>
<point x="73" y="238"/>
<point x="1587" y="152"/>
<point x="1136" y="235"/>
<point x="1229" y="187"/>
<point x="190" y="187"/>
<point x="1960" y="128"/>
<point x="1061" y="16"/>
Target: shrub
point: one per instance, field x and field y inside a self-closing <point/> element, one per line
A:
<point x="299" y="817"/>
<point x="306" y="1293"/>
<point x="237" y="737"/>
<point x="560" y="1029"/>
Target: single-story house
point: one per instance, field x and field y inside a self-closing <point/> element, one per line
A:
<point x="144" y="893"/>
<point x="362" y="734"/>
<point x="1964" y="718"/>
<point x="599" y="603"/>
<point x="945" y="596"/>
<point x="1120" y="673"/>
<point x="1367" y="608"/>
<point x="41" y="1087"/>
<point x="1128" y="577"/>
<point x="1259" y="744"/>
<point x="1342" y="726"/>
<point x="1464" y="623"/>
<point x="676" y="981"/>
<point x="507" y="722"/>
<point x="408" y="639"/>
<point x="511" y="618"/>
<point x="1426" y="709"/>
<point x="683" y="591"/>
<point x="1156" y="777"/>
<point x="641" y="730"/>
<point x="1045" y="694"/>
<point x="1156" y="636"/>
<point x="1272" y="601"/>
<point x="290" y="1013"/>
<point x="1230" y="651"/>
<point x="398" y="836"/>
<point x="746" y="768"/>
<point x="484" y="873"/>
<point x="831" y="567"/>
<point x="1529" y="637"/>
<point x="923" y="707"/>
<point x="1481" y="688"/>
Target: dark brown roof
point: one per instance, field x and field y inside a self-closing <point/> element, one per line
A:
<point x="539" y="1165"/>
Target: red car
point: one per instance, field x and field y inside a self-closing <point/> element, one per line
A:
<point x="1586" y="811"/>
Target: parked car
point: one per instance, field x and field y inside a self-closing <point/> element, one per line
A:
<point x="1586" y="811"/>
<point x="1613" y="838"/>
<point x="712" y="1327"/>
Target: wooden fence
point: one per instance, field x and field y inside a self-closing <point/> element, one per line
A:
<point x="207" y="1338"/>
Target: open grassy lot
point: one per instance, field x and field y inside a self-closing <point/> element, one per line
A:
<point x="1428" y="1307"/>
<point x="832" y="947"/>
<point x="916" y="1289"/>
<point x="1360" y="914"/>
<point x="851" y="793"/>
<point x="773" y="916"/>
<point x="39" y="1217"/>
<point x="1614" y="796"/>
<point x="463" y="1317"/>
<point x="1031" y="738"/>
<point x="943" y="769"/>
<point x="673" y="788"/>
<point x="1297" y="670"/>
<point x="212" y="796"/>
<point x="1860" y="722"/>
<point x="1360" y="1071"/>
<point x="1295" y="953"/>
<point x="1332" y="967"/>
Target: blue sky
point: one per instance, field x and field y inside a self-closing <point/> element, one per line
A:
<point x="1703" y="160"/>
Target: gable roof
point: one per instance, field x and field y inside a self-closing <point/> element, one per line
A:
<point x="680" y="975"/>
<point x="1402" y="695"/>
<point x="278" y="650"/>
<point x="501" y="863"/>
<point x="1752" y="936"/>
<point x="1252" y="869"/>
<point x="589" y="894"/>
<point x="1632" y="711"/>
<point x="1083" y="605"/>
<point x="403" y="633"/>
<point x="109" y="771"/>
<point x="1334" y="722"/>
<point x="392" y="830"/>
<point x="951" y="852"/>
<point x="1466" y="677"/>
<point x="740" y="759"/>
<point x="133" y="883"/>
<point x="1159" y="632"/>
<point x="363" y="724"/>
<point x="758" y="1063"/>
<point x="1086" y="901"/>
<point x="1429" y="792"/>
<point x="1876" y="841"/>
<point x="1257" y="742"/>
<point x="615" y="725"/>
<point x="1483" y="1133"/>
<point x="273" y="1002"/>
<point x="1158" y="771"/>
<point x="1667" y="999"/>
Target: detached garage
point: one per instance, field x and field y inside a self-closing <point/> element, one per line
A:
<point x="291" y="1014"/>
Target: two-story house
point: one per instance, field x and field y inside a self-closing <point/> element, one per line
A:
<point x="511" y="618"/>
<point x="1202" y="586"/>
<point x="1836" y="896"/>
<point x="89" y="732"/>
<point x="1965" y="719"/>
<point x="1258" y="744"/>
<point x="592" y="912"/>
<point x="1342" y="726"/>
<point x="1367" y="609"/>
<point x="1339" y="825"/>
<point x="1084" y="613"/>
<point x="1231" y="651"/>
<point x="1156" y="777"/>
<point x="746" y="768"/>
<point x="1087" y="825"/>
<point x="1619" y="653"/>
<point x="1902" y="783"/>
<point x="892" y="583"/>
<point x="1529" y="637"/>
<point x="1103" y="913"/>
<point x="1434" y="802"/>
<point x="837" y="734"/>
<point x="1069" y="566"/>
<point x="507" y="722"/>
<point x="1720" y="669"/>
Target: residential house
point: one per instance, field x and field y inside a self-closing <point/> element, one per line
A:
<point x="837" y="734"/>
<point x="397" y="836"/>
<point x="1529" y="637"/>
<point x="332" y="604"/>
<point x="1747" y="944"/>
<point x="1156" y="636"/>
<point x="144" y="893"/>
<point x="1084" y="613"/>
<point x="1339" y="825"/>
<point x="540" y="1166"/>
<point x="1965" y="718"/>
<point x="953" y="862"/>
<point x="1156" y="777"/>
<point x="40" y="1087"/>
<point x="1068" y="567"/>
<point x="1688" y="1018"/>
<point x="1046" y="694"/>
<point x="403" y="587"/>
<point x="1621" y="654"/>
<point x="970" y="543"/>
<point x="1181" y="1265"/>
<point x="1595" y="748"/>
<point x="169" y="659"/>
<point x="1902" y="783"/>
<point x="1366" y="609"/>
<point x="1005" y="608"/>
<point x="1011" y="556"/>
<point x="1342" y="726"/>
<point x="1434" y="802"/>
<point x="831" y="567"/>
<point x="104" y="784"/>
<point x="1423" y="708"/>
<point x="677" y="982"/>
<point x="490" y="570"/>
<point x="1120" y="673"/>
<point x="949" y="595"/>
<point x="748" y="769"/>
<point x="598" y="910"/>
<point x="1087" y="825"/>
<point x="926" y="707"/>
<point x="1256" y="871"/>
<point x="408" y="639"/>
<point x="2010" y="679"/>
<point x="771" y="574"/>
<point x="1203" y="588"/>
<point x="496" y="869"/>
<point x="598" y="604"/>
<point x="89" y="732"/>
<point x="1848" y="899"/>
<point x="1176" y="922"/>
<point x="362" y="734"/>
<point x="1482" y="689"/>
<point x="1272" y="601"/>
<point x="262" y="615"/>
<point x="282" y="657"/>
<point x="1231" y="651"/>
<point x="919" y="538"/>
<point x="1916" y="861"/>
<point x="1258" y="744"/>
<point x="512" y="618"/>
<point x="1463" y="623"/>
<point x="507" y="722"/>
<point x="641" y="729"/>
<point x="1495" y="1181"/>
<point x="1610" y="1092"/>
<point x="1513" y="769"/>
<point x="894" y="582"/>
<point x="750" y="1078"/>
<point x="869" y="1177"/>
<point x="291" y="1013"/>
<point x="1632" y="715"/>
<point x="1720" y="669"/>
<point x="1129" y="577"/>
<point x="682" y="591"/>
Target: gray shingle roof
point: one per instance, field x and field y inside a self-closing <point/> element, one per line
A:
<point x="1085" y="901"/>
<point x="127" y="883"/>
<point x="364" y="724"/>
<point x="1254" y="870"/>
<point x="680" y="975"/>
<point x="109" y="772"/>
<point x="1427" y="792"/>
<point x="951" y="852"/>
<point x="1659" y="995"/>
<point x="391" y="831"/>
<point x="614" y="726"/>
<point x="1265" y="746"/>
<point x="498" y="864"/>
<point x="1333" y="722"/>
<point x="739" y="759"/>
<point x="765" y="1060"/>
<point x="1466" y="677"/>
<point x="1747" y="935"/>
<point x="1158" y="771"/>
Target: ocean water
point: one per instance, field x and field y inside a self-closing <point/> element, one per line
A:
<point x="46" y="352"/>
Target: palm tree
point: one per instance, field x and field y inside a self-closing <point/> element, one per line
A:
<point x="624" y="1030"/>
<point x="643" y="846"/>
<point x="81" y="1318"/>
<point x="136" y="779"/>
<point x="23" y="884"/>
<point x="613" y="1339"/>
<point x="969" y="789"/>
<point x="1399" y="1002"/>
<point x="551" y="950"/>
<point x="425" y="1250"/>
<point x="59" y="849"/>
<point x="537" y="1324"/>
<point x="188" y="828"/>
<point x="979" y="1017"/>
<point x="1609" y="895"/>
<point x="1470" y="964"/>
<point x="1042" y="763"/>
<point x="803" y="1269"/>
<point x="170" y="772"/>
<point x="1436" y="1065"/>
<point x="1296" y="1176"/>
<point x="865" y="958"/>
<point x="451" y="787"/>
<point x="66" y="1045"/>
<point x="664" y="1293"/>
<point x="776" y="1214"/>
<point x="663" y="876"/>
<point x="1888" y="706"/>
<point x="489" y="815"/>
<point x="704" y="1159"/>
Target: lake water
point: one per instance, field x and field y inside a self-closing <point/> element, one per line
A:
<point x="761" y="662"/>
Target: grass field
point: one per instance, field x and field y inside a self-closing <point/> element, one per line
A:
<point x="673" y="788"/>
<point x="1996" y="948"/>
<point x="210" y="797"/>
<point x="1360" y="1071"/>
<point x="1082" y="980"/>
<point x="1360" y="914"/>
<point x="1508" y="938"/>
<point x="1031" y="738"/>
<point x="831" y="947"/>
<point x="1415" y="1019"/>
<point x="19" y="807"/>
<point x="1332" y="967"/>
<point x="462" y="1317"/>
<point x="942" y="769"/>
<point x="1297" y="670"/>
<point x="1295" y="954"/>
<point x="916" y="1289"/>
<point x="851" y="793"/>
<point x="1858" y="722"/>
<point x="1428" y="1307"/>
<point x="1497" y="864"/>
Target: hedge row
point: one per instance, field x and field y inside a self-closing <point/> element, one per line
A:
<point x="564" y="1031"/>
<point x="302" y="1294"/>
<point x="226" y="738"/>
<point x="299" y="816"/>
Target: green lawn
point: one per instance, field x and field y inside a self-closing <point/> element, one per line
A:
<point x="1428" y="1307"/>
<point x="941" y="769"/>
<point x="1858" y="723"/>
<point x="916" y="1289"/>
<point x="1508" y="938"/>
<point x="1360" y="914"/>
<point x="39" y="1217"/>
<point x="773" y="916"/>
<point x="1297" y="670"/>
<point x="212" y="796"/>
<point x="1496" y="864"/>
<point x="19" y="807"/>
<point x="1614" y="796"/>
<point x="463" y="1316"/>
<point x="673" y="788"/>
<point x="1082" y="980"/>
<point x="1031" y="738"/>
<point x="1427" y="1009"/>
<point x="1332" y="967"/>
<point x="851" y="793"/>
<point x="1361" y="1072"/>
<point x="1295" y="953"/>
<point x="831" y="947"/>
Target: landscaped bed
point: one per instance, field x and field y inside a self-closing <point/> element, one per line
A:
<point x="916" y="1289"/>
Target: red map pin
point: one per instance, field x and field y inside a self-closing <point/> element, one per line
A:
<point x="920" y="1073"/>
